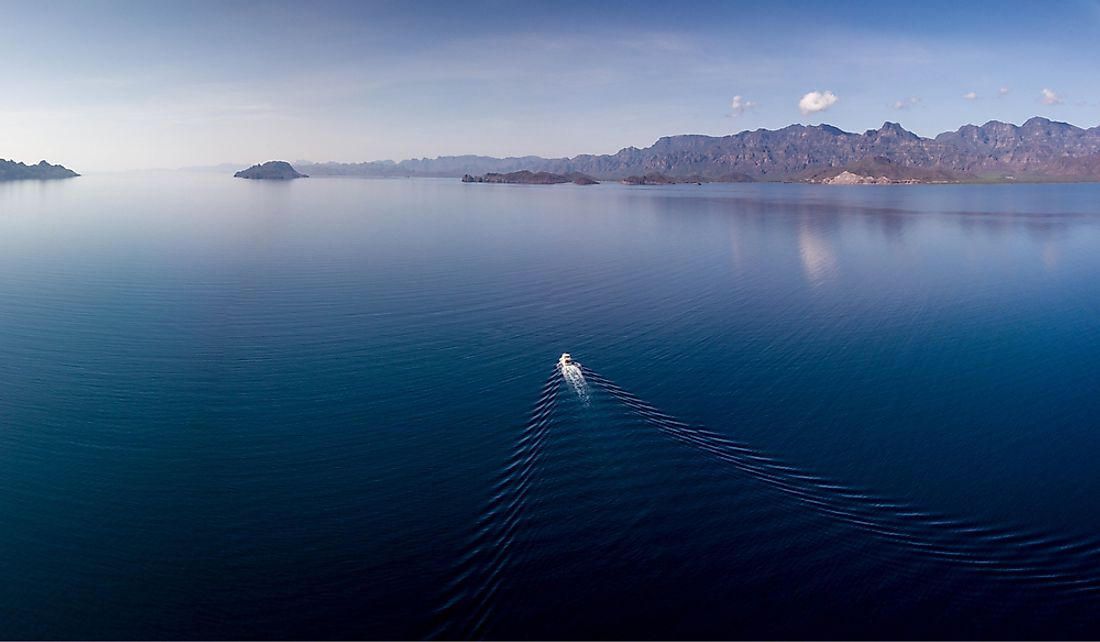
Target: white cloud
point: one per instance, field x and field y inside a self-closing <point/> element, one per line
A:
<point x="1003" y="91"/>
<point x="740" y="104"/>
<point x="816" y="101"/>
<point x="906" y="103"/>
<point x="1051" y="98"/>
<point x="971" y="95"/>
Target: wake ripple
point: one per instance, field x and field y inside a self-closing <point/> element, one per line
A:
<point x="468" y="598"/>
<point x="1038" y="559"/>
<point x="1027" y="559"/>
<point x="574" y="376"/>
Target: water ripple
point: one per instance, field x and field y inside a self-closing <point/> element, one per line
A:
<point x="1005" y="552"/>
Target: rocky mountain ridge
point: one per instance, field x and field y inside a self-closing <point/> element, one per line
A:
<point x="1038" y="150"/>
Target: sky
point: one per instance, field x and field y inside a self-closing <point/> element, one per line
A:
<point x="116" y="85"/>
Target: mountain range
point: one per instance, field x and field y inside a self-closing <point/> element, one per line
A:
<point x="1038" y="150"/>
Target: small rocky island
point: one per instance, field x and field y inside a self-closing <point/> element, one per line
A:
<point x="649" y="179"/>
<point x="13" y="171"/>
<point x="656" y="178"/>
<point x="271" y="171"/>
<point x="525" y="177"/>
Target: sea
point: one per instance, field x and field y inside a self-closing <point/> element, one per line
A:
<point x="330" y="408"/>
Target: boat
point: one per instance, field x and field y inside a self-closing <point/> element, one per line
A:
<point x="571" y="371"/>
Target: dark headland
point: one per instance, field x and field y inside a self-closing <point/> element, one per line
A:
<point x="524" y="177"/>
<point x="12" y="171"/>
<point x="271" y="170"/>
<point x="1040" y="150"/>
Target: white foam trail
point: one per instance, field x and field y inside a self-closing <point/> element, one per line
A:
<point x="573" y="375"/>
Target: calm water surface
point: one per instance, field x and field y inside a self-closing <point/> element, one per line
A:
<point x="329" y="408"/>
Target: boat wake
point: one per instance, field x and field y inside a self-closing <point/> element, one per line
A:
<point x="1069" y="566"/>
<point x="468" y="599"/>
<point x="1026" y="568"/>
<point x="574" y="376"/>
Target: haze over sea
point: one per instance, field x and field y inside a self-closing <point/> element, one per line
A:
<point x="328" y="408"/>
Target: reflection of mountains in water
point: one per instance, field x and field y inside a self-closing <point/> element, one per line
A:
<point x="597" y="526"/>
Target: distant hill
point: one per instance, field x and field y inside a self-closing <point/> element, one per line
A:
<point x="1038" y="150"/>
<point x="271" y="170"/>
<point x="11" y="170"/>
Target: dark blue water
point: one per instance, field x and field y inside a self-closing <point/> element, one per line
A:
<point x="329" y="409"/>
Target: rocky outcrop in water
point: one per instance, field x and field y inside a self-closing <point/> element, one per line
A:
<point x="648" y="179"/>
<point x="271" y="170"/>
<point x="525" y="177"/>
<point x="1038" y="150"/>
<point x="11" y="171"/>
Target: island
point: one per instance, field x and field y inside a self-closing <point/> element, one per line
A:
<point x="526" y="177"/>
<point x="270" y="171"/>
<point x="656" y="178"/>
<point x="12" y="171"/>
<point x="649" y="179"/>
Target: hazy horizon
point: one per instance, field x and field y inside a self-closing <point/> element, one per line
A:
<point x="218" y="83"/>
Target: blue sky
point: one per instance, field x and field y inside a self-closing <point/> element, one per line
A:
<point x="126" y="85"/>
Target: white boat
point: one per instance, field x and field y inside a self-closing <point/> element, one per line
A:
<point x="566" y="361"/>
<point x="571" y="371"/>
